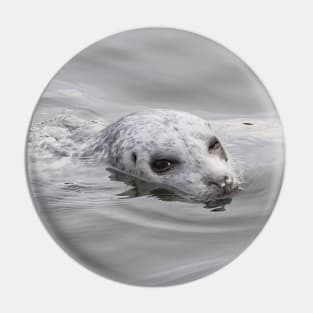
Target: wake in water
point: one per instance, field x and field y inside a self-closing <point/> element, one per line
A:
<point x="64" y="135"/>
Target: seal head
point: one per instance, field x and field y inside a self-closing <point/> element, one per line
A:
<point x="170" y="148"/>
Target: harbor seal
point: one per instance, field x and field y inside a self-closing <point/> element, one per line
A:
<point x="170" y="148"/>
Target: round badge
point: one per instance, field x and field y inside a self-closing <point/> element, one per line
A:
<point x="155" y="157"/>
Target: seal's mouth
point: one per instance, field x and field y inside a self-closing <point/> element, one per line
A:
<point x="224" y="187"/>
<point x="227" y="192"/>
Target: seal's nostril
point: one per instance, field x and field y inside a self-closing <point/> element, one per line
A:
<point x="228" y="180"/>
<point x="225" y="183"/>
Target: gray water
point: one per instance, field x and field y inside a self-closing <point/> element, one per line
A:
<point x="145" y="240"/>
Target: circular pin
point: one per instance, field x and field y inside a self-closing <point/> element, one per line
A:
<point x="155" y="157"/>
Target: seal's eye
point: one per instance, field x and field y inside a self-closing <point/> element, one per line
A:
<point x="214" y="144"/>
<point x="163" y="165"/>
<point x="134" y="157"/>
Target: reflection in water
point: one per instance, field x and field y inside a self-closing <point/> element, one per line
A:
<point x="161" y="192"/>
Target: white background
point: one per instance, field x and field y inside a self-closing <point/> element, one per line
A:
<point x="274" y="38"/>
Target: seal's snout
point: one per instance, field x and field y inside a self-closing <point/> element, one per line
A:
<point x="225" y="184"/>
